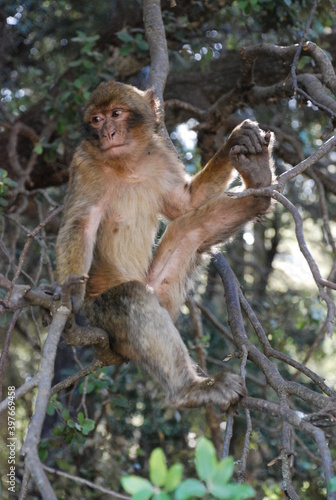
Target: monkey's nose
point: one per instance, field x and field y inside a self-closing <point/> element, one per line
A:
<point x="109" y="134"/>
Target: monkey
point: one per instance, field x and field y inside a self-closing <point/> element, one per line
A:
<point x="123" y="178"/>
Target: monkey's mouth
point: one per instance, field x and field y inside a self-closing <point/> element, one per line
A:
<point x="112" y="146"/>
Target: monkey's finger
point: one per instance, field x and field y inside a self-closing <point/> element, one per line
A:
<point x="267" y="137"/>
<point x="250" y="142"/>
<point x="239" y="149"/>
<point x="52" y="290"/>
<point x="255" y="135"/>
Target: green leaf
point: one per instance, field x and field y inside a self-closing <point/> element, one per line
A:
<point x="190" y="488"/>
<point x="124" y="36"/>
<point x="43" y="453"/>
<point x="80" y="417"/>
<point x="9" y="182"/>
<point x="50" y="410"/>
<point x="65" y="414"/>
<point x="88" y="426"/>
<point x="69" y="438"/>
<point x="89" y="387"/>
<point x="248" y="9"/>
<point x="174" y="477"/>
<point x="135" y="484"/>
<point x="121" y="402"/>
<point x="79" y="83"/>
<point x="157" y="467"/>
<point x="206" y="460"/>
<point x="141" y="43"/>
<point x="126" y="49"/>
<point x="88" y="64"/>
<point x="142" y="495"/>
<point x="232" y="491"/>
<point x="71" y="424"/>
<point x="61" y="126"/>
<point x="58" y="431"/>
<point x="161" y="496"/>
<point x="332" y="485"/>
<point x="38" y="149"/>
<point x="222" y="472"/>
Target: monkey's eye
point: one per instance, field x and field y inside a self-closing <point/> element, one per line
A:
<point x="96" y="119"/>
<point x="117" y="112"/>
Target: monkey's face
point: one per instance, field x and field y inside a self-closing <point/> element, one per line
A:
<point x="120" y="119"/>
<point x="110" y="127"/>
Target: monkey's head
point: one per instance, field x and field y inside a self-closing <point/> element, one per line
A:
<point x="119" y="118"/>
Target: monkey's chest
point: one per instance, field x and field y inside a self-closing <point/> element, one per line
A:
<point x="123" y="248"/>
<point x="126" y="231"/>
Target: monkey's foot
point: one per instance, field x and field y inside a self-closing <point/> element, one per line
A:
<point x="224" y="390"/>
<point x="231" y="389"/>
<point x="78" y="333"/>
<point x="251" y="155"/>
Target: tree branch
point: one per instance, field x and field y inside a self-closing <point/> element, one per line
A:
<point x="158" y="49"/>
<point x="282" y="388"/>
<point x="46" y="373"/>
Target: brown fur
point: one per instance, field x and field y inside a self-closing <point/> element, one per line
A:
<point x="122" y="178"/>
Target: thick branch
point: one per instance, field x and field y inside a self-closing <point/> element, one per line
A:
<point x="158" y="49"/>
<point x="46" y="373"/>
<point x="240" y="338"/>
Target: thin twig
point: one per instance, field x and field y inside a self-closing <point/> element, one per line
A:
<point x="246" y="446"/>
<point x="79" y="480"/>
<point x="5" y="349"/>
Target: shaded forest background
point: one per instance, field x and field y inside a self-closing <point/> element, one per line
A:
<point x="228" y="60"/>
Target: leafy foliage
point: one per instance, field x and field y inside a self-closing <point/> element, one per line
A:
<point x="68" y="429"/>
<point x="5" y="184"/>
<point x="55" y="53"/>
<point x="214" y="477"/>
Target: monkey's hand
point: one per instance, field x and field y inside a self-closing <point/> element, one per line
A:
<point x="77" y="297"/>
<point x="250" y="154"/>
<point x="54" y="290"/>
<point x="77" y="291"/>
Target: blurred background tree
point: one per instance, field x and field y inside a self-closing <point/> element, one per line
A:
<point x="53" y="54"/>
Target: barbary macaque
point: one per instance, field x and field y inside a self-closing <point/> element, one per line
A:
<point x="124" y="177"/>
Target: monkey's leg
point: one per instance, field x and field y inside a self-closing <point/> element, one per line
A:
<point x="211" y="224"/>
<point x="177" y="253"/>
<point x="141" y="329"/>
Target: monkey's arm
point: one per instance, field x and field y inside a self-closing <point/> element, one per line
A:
<point x="247" y="138"/>
<point x="211" y="181"/>
<point x="76" y="240"/>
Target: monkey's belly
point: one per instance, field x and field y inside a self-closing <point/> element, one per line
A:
<point x="123" y="251"/>
<point x="104" y="278"/>
<point x="124" y="268"/>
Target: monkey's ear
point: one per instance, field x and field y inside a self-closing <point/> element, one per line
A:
<point x="154" y="103"/>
